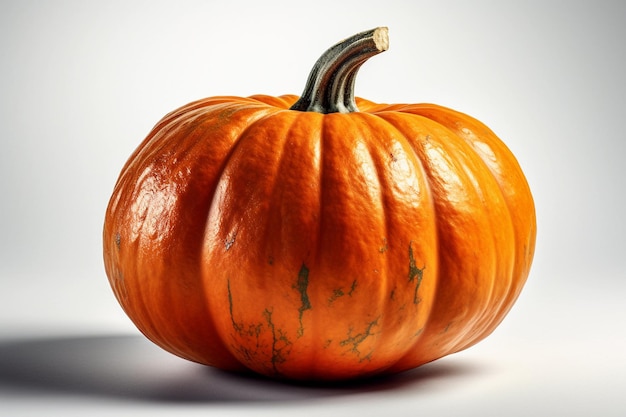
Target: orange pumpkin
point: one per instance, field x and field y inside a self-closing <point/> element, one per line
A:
<point x="319" y="238"/>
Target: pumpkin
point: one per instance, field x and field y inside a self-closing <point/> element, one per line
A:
<point x="320" y="237"/>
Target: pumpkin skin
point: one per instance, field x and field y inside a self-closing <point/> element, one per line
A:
<point x="246" y="235"/>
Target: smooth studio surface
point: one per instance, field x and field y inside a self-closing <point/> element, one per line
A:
<point x="82" y="84"/>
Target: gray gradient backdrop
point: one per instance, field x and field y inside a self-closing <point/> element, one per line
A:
<point x="82" y="82"/>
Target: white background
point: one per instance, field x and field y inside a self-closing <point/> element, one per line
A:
<point x="82" y="82"/>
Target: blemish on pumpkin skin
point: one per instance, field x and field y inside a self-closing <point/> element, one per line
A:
<point x="352" y="288"/>
<point x="251" y="330"/>
<point x="302" y="286"/>
<point x="236" y="326"/>
<point x="248" y="353"/>
<point x="253" y="348"/>
<point x="339" y="292"/>
<point x="230" y="239"/>
<point x="355" y="341"/>
<point x="415" y="274"/>
<point x="118" y="240"/>
<point x="280" y="342"/>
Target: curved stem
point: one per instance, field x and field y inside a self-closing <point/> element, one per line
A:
<point x="330" y="87"/>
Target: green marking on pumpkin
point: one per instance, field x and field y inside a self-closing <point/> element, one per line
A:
<point x="355" y="341"/>
<point x="280" y="342"/>
<point x="236" y="326"/>
<point x="250" y="330"/>
<point x="248" y="354"/>
<point x="302" y="286"/>
<point x="337" y="293"/>
<point x="384" y="247"/>
<point x="352" y="288"/>
<point x="415" y="274"/>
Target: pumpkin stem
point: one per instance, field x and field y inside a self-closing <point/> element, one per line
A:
<point x="330" y="87"/>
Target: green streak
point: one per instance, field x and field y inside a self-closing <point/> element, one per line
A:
<point x="280" y="342"/>
<point x="238" y="327"/>
<point x="354" y="341"/>
<point x="352" y="288"/>
<point x="302" y="287"/>
<point x="415" y="272"/>
<point x="336" y="294"/>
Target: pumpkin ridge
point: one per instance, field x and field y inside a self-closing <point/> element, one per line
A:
<point x="481" y="318"/>
<point x="504" y="270"/>
<point x="492" y="141"/>
<point x="475" y="326"/>
<point x="297" y="118"/>
<point x="172" y="121"/>
<point x="458" y="123"/>
<point x="384" y="213"/>
<point x="366" y="134"/>
<point x="262" y="173"/>
<point x="383" y="137"/>
<point x="452" y="154"/>
<point x="321" y="151"/>
<point x="307" y="151"/>
<point x="390" y="118"/>
<point x="173" y="124"/>
<point x="472" y="325"/>
<point x="280" y="198"/>
<point x="162" y="144"/>
<point x="237" y="140"/>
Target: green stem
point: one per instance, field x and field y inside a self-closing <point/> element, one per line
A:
<point x="330" y="87"/>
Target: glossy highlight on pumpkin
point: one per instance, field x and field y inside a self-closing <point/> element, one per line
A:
<point x="318" y="245"/>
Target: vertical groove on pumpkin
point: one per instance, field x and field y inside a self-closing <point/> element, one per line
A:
<point x="380" y="169"/>
<point x="420" y="352"/>
<point x="514" y="178"/>
<point x="314" y="331"/>
<point x="280" y="178"/>
<point x="379" y="158"/>
<point x="403" y="136"/>
<point x="254" y="223"/>
<point x="456" y="123"/>
<point x="237" y="132"/>
<point x="459" y="153"/>
<point x="393" y="242"/>
<point x="378" y="211"/>
<point x="286" y="223"/>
